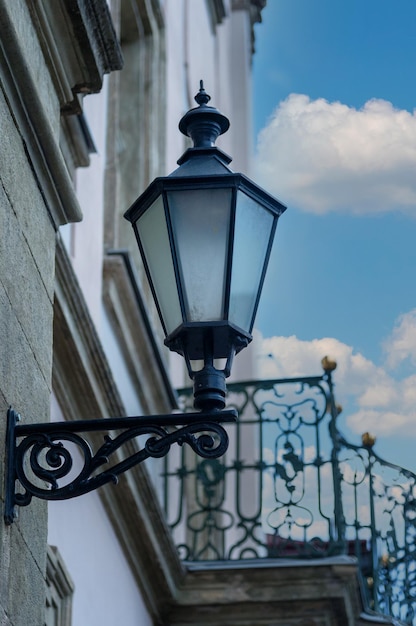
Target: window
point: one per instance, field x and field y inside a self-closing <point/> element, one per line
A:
<point x="59" y="590"/>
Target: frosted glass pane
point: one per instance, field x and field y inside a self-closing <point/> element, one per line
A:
<point x="201" y="222"/>
<point x="253" y="225"/>
<point x="155" y="241"/>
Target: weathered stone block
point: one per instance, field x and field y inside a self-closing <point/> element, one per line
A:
<point x="26" y="592"/>
<point x="20" y="188"/>
<point x="23" y="384"/>
<point x="25" y="326"/>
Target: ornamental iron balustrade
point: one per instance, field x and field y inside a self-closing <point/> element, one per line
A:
<point x="291" y="486"/>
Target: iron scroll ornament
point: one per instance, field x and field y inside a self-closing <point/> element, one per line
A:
<point x="39" y="456"/>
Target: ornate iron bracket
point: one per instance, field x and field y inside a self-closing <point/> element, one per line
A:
<point x="45" y="466"/>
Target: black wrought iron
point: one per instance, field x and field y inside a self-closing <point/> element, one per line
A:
<point x="53" y="461"/>
<point x="291" y="486"/>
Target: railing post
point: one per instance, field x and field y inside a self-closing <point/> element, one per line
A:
<point x="373" y="530"/>
<point x="339" y="519"/>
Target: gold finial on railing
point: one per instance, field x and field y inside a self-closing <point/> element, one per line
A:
<point x="368" y="440"/>
<point x="337" y="407"/>
<point x="328" y="364"/>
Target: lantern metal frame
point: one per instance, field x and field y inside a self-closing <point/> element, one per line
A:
<point x="235" y="182"/>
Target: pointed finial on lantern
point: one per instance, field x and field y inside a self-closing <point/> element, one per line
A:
<point x="202" y="97"/>
<point x="203" y="124"/>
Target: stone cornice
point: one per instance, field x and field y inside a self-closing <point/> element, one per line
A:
<point x="79" y="360"/>
<point x="141" y="352"/>
<point x="218" y="11"/>
<point x="140" y="18"/>
<point x="79" y="44"/>
<point x="38" y="129"/>
<point x="77" y="41"/>
<point x="270" y="592"/>
<point x="254" y="9"/>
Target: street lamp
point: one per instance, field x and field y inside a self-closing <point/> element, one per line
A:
<point x="205" y="235"/>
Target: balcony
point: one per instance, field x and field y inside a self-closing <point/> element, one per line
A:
<point x="292" y="490"/>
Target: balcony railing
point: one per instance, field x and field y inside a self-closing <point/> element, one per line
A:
<point x="292" y="487"/>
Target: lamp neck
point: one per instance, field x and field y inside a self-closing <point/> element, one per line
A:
<point x="209" y="389"/>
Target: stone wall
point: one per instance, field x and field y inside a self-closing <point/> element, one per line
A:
<point x="27" y="240"/>
<point x="36" y="196"/>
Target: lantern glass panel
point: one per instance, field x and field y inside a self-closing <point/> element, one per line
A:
<point x="253" y="227"/>
<point x="154" y="238"/>
<point x="201" y="224"/>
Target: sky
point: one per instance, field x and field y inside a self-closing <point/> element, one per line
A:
<point x="334" y="94"/>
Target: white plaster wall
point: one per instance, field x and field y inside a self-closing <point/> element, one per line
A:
<point x="84" y="240"/>
<point x="222" y="58"/>
<point x="192" y="55"/>
<point x="106" y="593"/>
<point x="239" y="58"/>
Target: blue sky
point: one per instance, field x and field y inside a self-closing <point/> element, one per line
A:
<point x="334" y="92"/>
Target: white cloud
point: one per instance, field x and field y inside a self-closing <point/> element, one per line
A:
<point x="294" y="357"/>
<point x="322" y="156"/>
<point x="401" y="345"/>
<point x="384" y="404"/>
<point x="382" y="423"/>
